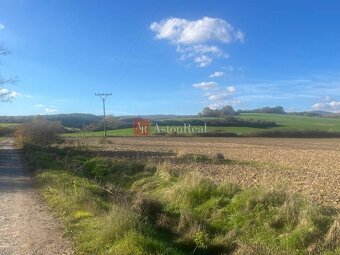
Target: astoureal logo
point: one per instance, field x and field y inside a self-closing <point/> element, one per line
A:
<point x="141" y="127"/>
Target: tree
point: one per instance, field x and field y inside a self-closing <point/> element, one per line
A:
<point x="5" y="94"/>
<point x="227" y="111"/>
<point x="224" y="112"/>
<point x="276" y="109"/>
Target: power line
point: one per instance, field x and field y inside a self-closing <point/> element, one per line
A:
<point x="103" y="96"/>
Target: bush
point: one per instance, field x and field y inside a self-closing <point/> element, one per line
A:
<point x="38" y="132"/>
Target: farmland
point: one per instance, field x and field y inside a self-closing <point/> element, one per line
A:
<point x="7" y="124"/>
<point x="306" y="165"/>
<point x="189" y="195"/>
<point x="194" y="195"/>
<point x="283" y="121"/>
<point x="297" y="122"/>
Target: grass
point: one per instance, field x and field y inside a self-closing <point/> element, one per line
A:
<point x="285" y="122"/>
<point x="7" y="124"/>
<point x="296" y="122"/>
<point x="7" y="129"/>
<point x="117" y="132"/>
<point x="117" y="206"/>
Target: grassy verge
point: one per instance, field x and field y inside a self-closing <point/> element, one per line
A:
<point x="117" y="206"/>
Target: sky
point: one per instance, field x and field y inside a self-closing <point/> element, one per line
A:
<point x="169" y="56"/>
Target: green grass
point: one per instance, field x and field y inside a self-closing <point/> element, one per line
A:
<point x="285" y="122"/>
<point x="129" y="131"/>
<point x="297" y="122"/>
<point x="7" y="124"/>
<point x="116" y="206"/>
<point x="7" y="129"/>
<point x="117" y="132"/>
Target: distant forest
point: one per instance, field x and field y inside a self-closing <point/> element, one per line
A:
<point x="73" y="120"/>
<point x="225" y="116"/>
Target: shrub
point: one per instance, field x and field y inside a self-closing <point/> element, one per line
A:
<point x="38" y="132"/>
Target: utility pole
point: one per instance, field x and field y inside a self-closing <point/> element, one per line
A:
<point x="103" y="96"/>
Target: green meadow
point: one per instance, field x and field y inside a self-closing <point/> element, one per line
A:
<point x="7" y="124"/>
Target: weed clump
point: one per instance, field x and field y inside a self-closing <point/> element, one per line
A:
<point x="219" y="156"/>
<point x="332" y="239"/>
<point x="148" y="208"/>
<point x="190" y="157"/>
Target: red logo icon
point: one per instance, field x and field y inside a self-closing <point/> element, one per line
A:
<point x="141" y="127"/>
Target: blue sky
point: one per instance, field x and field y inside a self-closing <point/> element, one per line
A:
<point x="171" y="56"/>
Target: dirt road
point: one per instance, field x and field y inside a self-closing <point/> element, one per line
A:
<point x="27" y="227"/>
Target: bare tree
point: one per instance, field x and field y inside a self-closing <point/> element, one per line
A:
<point x="5" y="94"/>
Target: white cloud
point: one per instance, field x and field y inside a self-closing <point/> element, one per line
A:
<point x="231" y="89"/>
<point x="50" y="110"/>
<point x="202" y="55"/>
<point x="217" y="74"/>
<point x="8" y="95"/>
<point x="203" y="61"/>
<point x="217" y="96"/>
<point x="219" y="105"/>
<point x="215" y="106"/>
<point x="221" y="97"/>
<point x="192" y="36"/>
<point x="47" y="109"/>
<point x="221" y="94"/>
<point x="191" y="51"/>
<point x="2" y="26"/>
<point x="205" y="85"/>
<point x="328" y="105"/>
<point x="182" y="31"/>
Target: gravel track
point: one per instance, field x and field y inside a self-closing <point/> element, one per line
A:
<point x="27" y="227"/>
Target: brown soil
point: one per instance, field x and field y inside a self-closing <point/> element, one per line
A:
<point x="308" y="166"/>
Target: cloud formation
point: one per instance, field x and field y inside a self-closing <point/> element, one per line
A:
<point x="222" y="97"/>
<point x="205" y="85"/>
<point x="2" y="26"/>
<point x="50" y="110"/>
<point x="192" y="37"/>
<point x="217" y="74"/>
<point x="221" y="94"/>
<point x="182" y="31"/>
<point x="8" y="95"/>
<point x="328" y="105"/>
<point x="47" y="109"/>
<point x="217" y="96"/>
